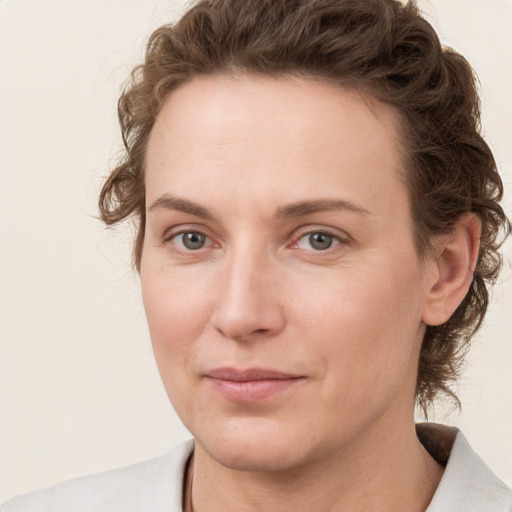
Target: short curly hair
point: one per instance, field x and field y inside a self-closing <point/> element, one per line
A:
<point x="384" y="48"/>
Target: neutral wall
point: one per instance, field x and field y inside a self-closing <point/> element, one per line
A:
<point x="79" y="391"/>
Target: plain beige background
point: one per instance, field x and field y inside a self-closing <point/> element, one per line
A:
<point x="79" y="391"/>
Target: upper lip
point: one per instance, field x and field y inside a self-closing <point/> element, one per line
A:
<point x="250" y="374"/>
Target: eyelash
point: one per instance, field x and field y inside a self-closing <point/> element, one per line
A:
<point x="170" y="237"/>
<point x="336" y="240"/>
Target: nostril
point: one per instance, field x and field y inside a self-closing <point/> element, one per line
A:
<point x="243" y="335"/>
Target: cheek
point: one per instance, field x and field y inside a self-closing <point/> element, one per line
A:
<point x="177" y="311"/>
<point x="365" y="325"/>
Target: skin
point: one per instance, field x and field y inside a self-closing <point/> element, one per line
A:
<point x="260" y="170"/>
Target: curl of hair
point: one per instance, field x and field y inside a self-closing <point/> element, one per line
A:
<point x="381" y="47"/>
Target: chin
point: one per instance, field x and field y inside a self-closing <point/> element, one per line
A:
<point x="255" y="444"/>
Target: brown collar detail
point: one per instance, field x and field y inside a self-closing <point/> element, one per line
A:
<point x="437" y="440"/>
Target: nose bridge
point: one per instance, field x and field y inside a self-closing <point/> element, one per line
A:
<point x="248" y="302"/>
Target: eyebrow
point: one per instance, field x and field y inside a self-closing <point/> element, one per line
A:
<point x="297" y="209"/>
<point x="167" y="202"/>
<point x="319" y="205"/>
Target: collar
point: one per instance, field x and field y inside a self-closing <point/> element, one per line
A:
<point x="467" y="484"/>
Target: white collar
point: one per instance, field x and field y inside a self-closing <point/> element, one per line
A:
<point x="468" y="485"/>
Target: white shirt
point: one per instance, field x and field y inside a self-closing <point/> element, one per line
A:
<point x="156" y="485"/>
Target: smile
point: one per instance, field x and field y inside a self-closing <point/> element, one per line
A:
<point x="250" y="385"/>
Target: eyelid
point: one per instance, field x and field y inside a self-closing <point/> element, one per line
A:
<point x="181" y="229"/>
<point x="341" y="236"/>
<point x="185" y="228"/>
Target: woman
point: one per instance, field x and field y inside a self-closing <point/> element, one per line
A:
<point x="318" y="225"/>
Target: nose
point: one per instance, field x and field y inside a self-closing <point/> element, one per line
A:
<point x="248" y="305"/>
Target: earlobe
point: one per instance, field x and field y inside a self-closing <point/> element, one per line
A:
<point x="453" y="265"/>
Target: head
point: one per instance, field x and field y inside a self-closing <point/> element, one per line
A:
<point x="380" y="50"/>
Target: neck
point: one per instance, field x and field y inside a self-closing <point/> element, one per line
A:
<point x="383" y="473"/>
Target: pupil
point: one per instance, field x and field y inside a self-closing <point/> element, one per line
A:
<point x="193" y="240"/>
<point x="320" y="241"/>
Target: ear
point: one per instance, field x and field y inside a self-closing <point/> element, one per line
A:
<point x="452" y="265"/>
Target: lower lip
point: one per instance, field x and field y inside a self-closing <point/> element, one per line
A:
<point x="252" y="390"/>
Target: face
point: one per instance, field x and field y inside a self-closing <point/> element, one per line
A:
<point x="281" y="283"/>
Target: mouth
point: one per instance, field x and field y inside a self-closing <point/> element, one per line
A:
<point x="251" y="385"/>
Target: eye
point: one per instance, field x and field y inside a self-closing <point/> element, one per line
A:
<point x="318" y="241"/>
<point x="190" y="240"/>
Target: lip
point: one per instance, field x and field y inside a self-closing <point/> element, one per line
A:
<point x="250" y="385"/>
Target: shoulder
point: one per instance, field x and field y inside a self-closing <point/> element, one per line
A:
<point x="149" y="485"/>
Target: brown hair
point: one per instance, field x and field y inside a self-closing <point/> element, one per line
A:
<point x="382" y="47"/>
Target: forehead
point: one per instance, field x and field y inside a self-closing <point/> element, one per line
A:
<point x="259" y="104"/>
<point x="278" y="138"/>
